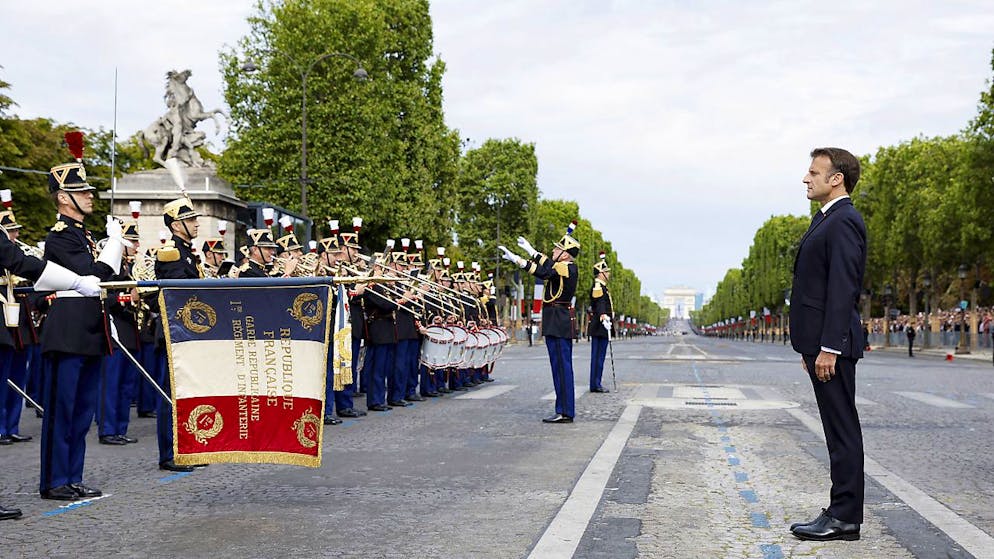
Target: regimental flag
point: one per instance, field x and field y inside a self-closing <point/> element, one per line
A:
<point x="247" y="366"/>
<point x="341" y="359"/>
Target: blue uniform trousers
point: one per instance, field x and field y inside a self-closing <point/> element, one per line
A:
<point x="117" y="388"/>
<point x="6" y="360"/>
<point x="397" y="384"/>
<point x="33" y="381"/>
<point x="163" y="410"/>
<point x="69" y="395"/>
<point x="337" y="399"/>
<point x="598" y="350"/>
<point x="146" y="396"/>
<point x="561" y="359"/>
<point x="412" y="353"/>
<point x="427" y="380"/>
<point x="14" y="402"/>
<point x="378" y="365"/>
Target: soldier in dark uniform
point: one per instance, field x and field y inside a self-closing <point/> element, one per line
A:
<point x="560" y="275"/>
<point x="381" y="341"/>
<point x="14" y="363"/>
<point x="602" y="315"/>
<point x="75" y="338"/>
<point x="351" y="247"/>
<point x="119" y="376"/>
<point x="488" y="300"/>
<point x="174" y="260"/>
<point x="146" y="397"/>
<point x="214" y="255"/>
<point x="404" y="387"/>
<point x="329" y="252"/>
<point x="261" y="250"/>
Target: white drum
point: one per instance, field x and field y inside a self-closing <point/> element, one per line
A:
<point x="482" y="350"/>
<point x="495" y="345"/>
<point x="436" y="347"/>
<point x="458" y="348"/>
<point x="474" y="350"/>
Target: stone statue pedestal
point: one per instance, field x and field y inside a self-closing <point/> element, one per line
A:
<point x="213" y="197"/>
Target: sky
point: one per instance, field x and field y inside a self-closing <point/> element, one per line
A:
<point x="679" y="127"/>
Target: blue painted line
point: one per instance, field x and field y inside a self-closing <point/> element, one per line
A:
<point x="733" y="461"/>
<point x="174" y="477"/>
<point x="726" y="439"/>
<point x="730" y="449"/>
<point x="749" y="495"/>
<point x="741" y="477"/>
<point x="771" y="551"/>
<point x="759" y="520"/>
<point x="73" y="506"/>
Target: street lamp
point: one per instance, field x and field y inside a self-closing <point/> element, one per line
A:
<point x="961" y="344"/>
<point x="359" y="73"/>
<point x="927" y="284"/>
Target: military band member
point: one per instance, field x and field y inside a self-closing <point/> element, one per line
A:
<point x="119" y="376"/>
<point x="406" y="359"/>
<point x="261" y="250"/>
<point x="74" y="339"/>
<point x="560" y="275"/>
<point x="214" y="256"/>
<point x="174" y="260"/>
<point x="489" y="302"/>
<point x="20" y="340"/>
<point x="602" y="316"/>
<point x="380" y="339"/>
<point x="351" y="247"/>
<point x="336" y="250"/>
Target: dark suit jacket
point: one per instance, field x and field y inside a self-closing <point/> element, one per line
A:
<point x="828" y="278"/>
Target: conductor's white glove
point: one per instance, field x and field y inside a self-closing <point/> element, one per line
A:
<point x="87" y="286"/>
<point x="511" y="257"/>
<point x="527" y="247"/>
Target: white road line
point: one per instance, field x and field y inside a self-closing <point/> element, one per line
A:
<point x="860" y="401"/>
<point x="670" y="350"/>
<point x="565" y="531"/>
<point x="933" y="400"/>
<point x="988" y="395"/>
<point x="487" y="392"/>
<point x="578" y="392"/>
<point x="969" y="537"/>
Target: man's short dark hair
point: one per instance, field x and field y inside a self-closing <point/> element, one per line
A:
<point x="842" y="162"/>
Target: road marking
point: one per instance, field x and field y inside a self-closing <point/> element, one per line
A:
<point x="933" y="400"/>
<point x="969" y="537"/>
<point x="560" y="539"/>
<point x="988" y="395"/>
<point x="711" y="392"/>
<point x="487" y="392"/>
<point x="74" y="505"/>
<point x="578" y="392"/>
<point x="860" y="401"/>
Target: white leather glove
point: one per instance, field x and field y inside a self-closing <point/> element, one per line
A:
<point x="511" y="257"/>
<point x="114" y="249"/>
<point x="527" y="247"/>
<point x="87" y="286"/>
<point x="115" y="231"/>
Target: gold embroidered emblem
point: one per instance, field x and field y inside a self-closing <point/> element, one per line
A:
<point x="307" y="309"/>
<point x="82" y="173"/>
<point x="59" y="226"/>
<point x="307" y="429"/>
<point x="202" y="425"/>
<point x="198" y="317"/>
<point x="343" y="358"/>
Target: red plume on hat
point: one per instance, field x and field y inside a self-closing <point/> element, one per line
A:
<point x="74" y="141"/>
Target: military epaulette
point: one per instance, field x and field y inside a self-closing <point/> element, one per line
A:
<point x="167" y="252"/>
<point x="561" y="268"/>
<point x="598" y="291"/>
<point x="243" y="267"/>
<point x="541" y="258"/>
<point x="59" y="226"/>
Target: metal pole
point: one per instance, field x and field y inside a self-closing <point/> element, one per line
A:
<point x="113" y="148"/>
<point x="303" y="143"/>
<point x="24" y="395"/>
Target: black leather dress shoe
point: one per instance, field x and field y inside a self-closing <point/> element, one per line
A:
<point x="378" y="407"/>
<point x="444" y="390"/>
<point x="487" y="379"/>
<point x="174" y="467"/>
<point x="558" y="419"/>
<point x="127" y="439"/>
<point x="8" y="514"/>
<point x="398" y="404"/>
<point x="600" y="390"/>
<point x="826" y="528"/>
<point x="146" y="414"/>
<point x="431" y="395"/>
<point x="20" y="438"/>
<point x="84" y="492"/>
<point x="332" y="420"/>
<point x="113" y="439"/>
<point x="6" y="440"/>
<point x="460" y="389"/>
<point x="414" y="398"/>
<point x="62" y="493"/>
<point x="351" y="412"/>
<point x="824" y="512"/>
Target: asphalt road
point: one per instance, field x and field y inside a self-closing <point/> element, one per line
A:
<point x="709" y="448"/>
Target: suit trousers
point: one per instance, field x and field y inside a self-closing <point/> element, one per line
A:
<point x="336" y="400"/>
<point x="164" y="409"/>
<point x="116" y="388"/>
<point x="412" y="353"/>
<point x="379" y="363"/>
<point x="69" y="395"/>
<point x="837" y="407"/>
<point x="598" y="351"/>
<point x="561" y="359"/>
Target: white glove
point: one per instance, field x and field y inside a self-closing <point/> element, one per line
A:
<point x="511" y="257"/>
<point x="527" y="247"/>
<point x="115" y="231"/>
<point x="87" y="286"/>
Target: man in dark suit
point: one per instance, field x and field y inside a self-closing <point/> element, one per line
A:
<point x="826" y="331"/>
